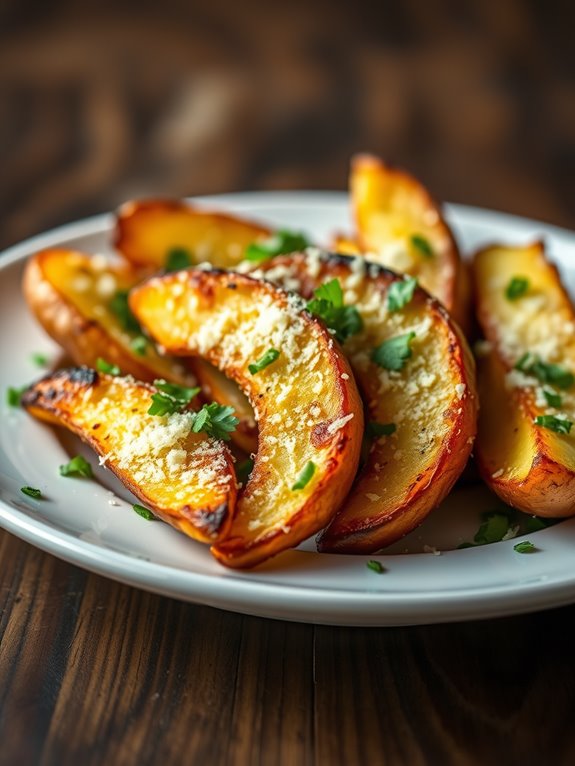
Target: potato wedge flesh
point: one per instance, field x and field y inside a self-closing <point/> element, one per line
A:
<point x="306" y="402"/>
<point x="185" y="478"/>
<point x="70" y="293"/>
<point x="147" y="230"/>
<point x="432" y="401"/>
<point x="529" y="466"/>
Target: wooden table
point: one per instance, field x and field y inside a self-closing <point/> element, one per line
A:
<point x="99" y="102"/>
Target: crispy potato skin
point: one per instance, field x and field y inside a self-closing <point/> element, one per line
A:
<point x="390" y="206"/>
<point x="306" y="402"/>
<point x="146" y="230"/>
<point x="70" y="316"/>
<point x="98" y="409"/>
<point x="390" y="496"/>
<point x="531" y="468"/>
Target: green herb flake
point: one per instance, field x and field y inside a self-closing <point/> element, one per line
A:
<point x="120" y="307"/>
<point x="14" y="395"/>
<point x="554" y="374"/>
<point x="420" y="243"/>
<point x="178" y="258"/>
<point x="106" y="367"/>
<point x="552" y="399"/>
<point x="376" y="566"/>
<point x="305" y="476"/>
<point x="264" y="361"/>
<point x="393" y="353"/>
<point x="516" y="288"/>
<point x="493" y="529"/>
<point x="524" y="547"/>
<point x="243" y="471"/>
<point x="558" y="425"/>
<point x="400" y="293"/>
<point x="376" y="430"/>
<point x="40" y="360"/>
<point x="170" y="398"/>
<point x="144" y="512"/>
<point x="139" y="345"/>
<point x="283" y="241"/>
<point x="77" y="466"/>
<point x="31" y="492"/>
<point x="535" y="524"/>
<point x="328" y="306"/>
<point x="215" y="420"/>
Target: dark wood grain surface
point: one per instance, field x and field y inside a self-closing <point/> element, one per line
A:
<point x="100" y="101"/>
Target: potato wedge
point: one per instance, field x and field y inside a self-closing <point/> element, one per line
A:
<point x="187" y="479"/>
<point x="400" y="226"/>
<point x="431" y="401"/>
<point x="147" y="230"/>
<point x="526" y="374"/>
<point x="305" y="399"/>
<point x="71" y="295"/>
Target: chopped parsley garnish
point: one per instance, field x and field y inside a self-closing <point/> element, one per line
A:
<point x="216" y="420"/>
<point x="376" y="566"/>
<point x="493" y="529"/>
<point x="139" y="344"/>
<point x="120" y="307"/>
<point x="31" y="492"/>
<point x="243" y="470"/>
<point x="531" y="364"/>
<point x="14" y="395"/>
<point x="305" y="476"/>
<point x="393" y="353"/>
<point x="103" y="366"/>
<point x="552" y="399"/>
<point x="264" y="361"/>
<point x="400" y="293"/>
<point x="40" y="360"/>
<point x="178" y="258"/>
<point x="77" y="466"/>
<point x="525" y="547"/>
<point x="283" y="241"/>
<point x="559" y="425"/>
<point x="144" y="512"/>
<point x="329" y="307"/>
<point x="376" y="430"/>
<point x="516" y="288"/>
<point x="504" y="524"/>
<point x="170" y="398"/>
<point x="422" y="244"/>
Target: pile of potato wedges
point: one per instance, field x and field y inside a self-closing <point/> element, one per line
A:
<point x="254" y="390"/>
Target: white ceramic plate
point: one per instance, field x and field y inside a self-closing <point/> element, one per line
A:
<point x="77" y="522"/>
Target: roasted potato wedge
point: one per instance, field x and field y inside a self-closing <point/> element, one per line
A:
<point x="400" y="226"/>
<point x="526" y="446"/>
<point x="187" y="479"/>
<point x="305" y="399"/>
<point x="431" y="401"/>
<point x="148" y="230"/>
<point x="72" y="295"/>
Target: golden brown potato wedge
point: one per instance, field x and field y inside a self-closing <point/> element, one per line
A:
<point x="187" y="479"/>
<point x="148" y="230"/>
<point x="525" y="445"/>
<point x="401" y="227"/>
<point x="305" y="399"/>
<point x="431" y="401"/>
<point x="73" y="297"/>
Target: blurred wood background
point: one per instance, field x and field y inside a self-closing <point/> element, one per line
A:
<point x="100" y="101"/>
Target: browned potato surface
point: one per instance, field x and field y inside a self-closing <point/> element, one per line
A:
<point x="305" y="400"/>
<point x="400" y="226"/>
<point x="187" y="479"/>
<point x="431" y="402"/>
<point x="72" y="294"/>
<point x="526" y="445"/>
<point x="148" y="230"/>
